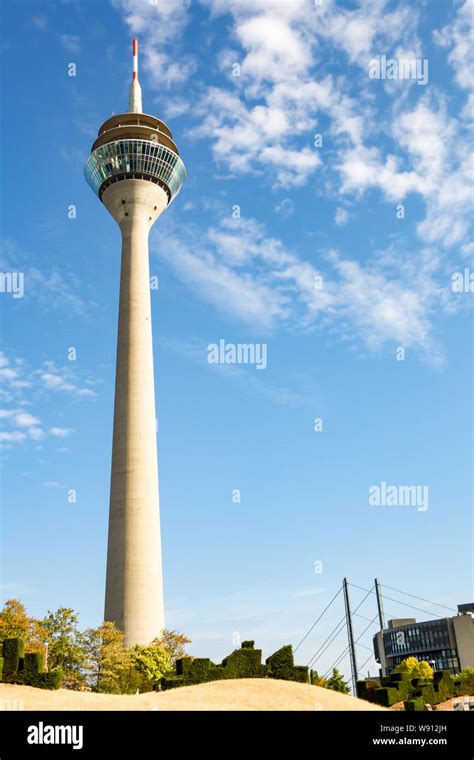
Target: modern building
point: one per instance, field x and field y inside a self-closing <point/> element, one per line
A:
<point x="136" y="171"/>
<point x="446" y="643"/>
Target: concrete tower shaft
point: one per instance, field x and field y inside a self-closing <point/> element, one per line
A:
<point x="134" y="586"/>
<point x="136" y="171"/>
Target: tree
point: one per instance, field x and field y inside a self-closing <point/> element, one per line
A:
<point x="416" y="668"/>
<point x="66" y="645"/>
<point x="337" y="683"/>
<point x="318" y="680"/>
<point x="108" y="663"/>
<point x="16" y="623"/>
<point x="151" y="661"/>
<point x="173" y="642"/>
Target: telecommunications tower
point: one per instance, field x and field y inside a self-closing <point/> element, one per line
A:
<point x="136" y="171"/>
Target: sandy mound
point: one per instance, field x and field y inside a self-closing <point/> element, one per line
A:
<point x="238" y="694"/>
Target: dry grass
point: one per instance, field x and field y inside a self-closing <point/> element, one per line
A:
<point x="238" y="694"/>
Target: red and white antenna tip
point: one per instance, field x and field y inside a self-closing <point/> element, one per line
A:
<point x="135" y="58"/>
<point x="135" y="101"/>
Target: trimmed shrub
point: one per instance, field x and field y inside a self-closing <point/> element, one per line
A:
<point x="198" y="671"/>
<point x="27" y="668"/>
<point x="427" y="692"/>
<point x="300" y="674"/>
<point x="50" y="680"/>
<point x="464" y="684"/>
<point x="33" y="667"/>
<point x="182" y="665"/>
<point x="280" y="664"/>
<point x="403" y="689"/>
<point x="418" y="682"/>
<point x="1" y="668"/>
<point x="431" y="691"/>
<point x="416" y="704"/>
<point x="443" y="685"/>
<point x="172" y="681"/>
<point x="365" y="689"/>
<point x="386" y="696"/>
<point x="218" y="674"/>
<point x="243" y="663"/>
<point x="13" y="651"/>
<point x="404" y="676"/>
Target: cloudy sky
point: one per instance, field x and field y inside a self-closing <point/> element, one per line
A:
<point x="326" y="216"/>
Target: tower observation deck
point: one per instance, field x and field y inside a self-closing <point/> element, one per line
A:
<point x="135" y="146"/>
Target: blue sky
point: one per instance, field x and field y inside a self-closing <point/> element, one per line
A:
<point x="379" y="211"/>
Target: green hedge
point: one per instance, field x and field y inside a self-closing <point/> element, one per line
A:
<point x="1" y="668"/>
<point x="50" y="680"/>
<point x="300" y="674"/>
<point x="182" y="665"/>
<point x="403" y="688"/>
<point x="27" y="669"/>
<point x="365" y="689"/>
<point x="399" y="687"/>
<point x="427" y="692"/>
<point x="387" y="696"/>
<point x="443" y="685"/>
<point x="281" y="665"/>
<point x="464" y="684"/>
<point x="416" y="704"/>
<point x="242" y="663"/>
<point x="13" y="651"/>
<point x="396" y="677"/>
<point x="33" y="667"/>
<point x="198" y="671"/>
<point x="219" y="674"/>
<point x="172" y="681"/>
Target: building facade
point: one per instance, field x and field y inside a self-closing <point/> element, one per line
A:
<point x="446" y="643"/>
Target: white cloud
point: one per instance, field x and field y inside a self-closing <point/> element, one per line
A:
<point x="70" y="42"/>
<point x="61" y="432"/>
<point x="370" y="29"/>
<point x="36" y="434"/>
<point x="248" y="276"/>
<point x="263" y="123"/>
<point x="53" y="289"/>
<point x="458" y="36"/>
<point x="308" y="592"/>
<point x="441" y="170"/>
<point x="341" y="216"/>
<point x="285" y="208"/>
<point x="16" y="376"/>
<point x="159" y="26"/>
<point x="12" y="436"/>
<point x="23" y="419"/>
<point x="54" y="381"/>
<point x="40" y="22"/>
